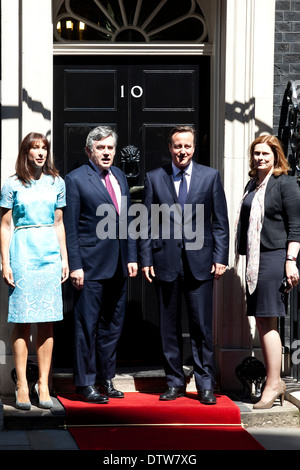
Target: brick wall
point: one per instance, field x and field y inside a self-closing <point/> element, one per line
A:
<point x="287" y="51"/>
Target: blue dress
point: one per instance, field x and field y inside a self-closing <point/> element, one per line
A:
<point x="34" y="250"/>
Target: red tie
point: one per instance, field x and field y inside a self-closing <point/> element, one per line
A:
<point x="110" y="189"/>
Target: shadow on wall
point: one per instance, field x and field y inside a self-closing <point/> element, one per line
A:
<point x="15" y="112"/>
<point x="244" y="113"/>
<point x="235" y="305"/>
<point x="233" y="330"/>
<point x="236" y="111"/>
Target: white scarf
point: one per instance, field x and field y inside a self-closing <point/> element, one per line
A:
<point x="256" y="219"/>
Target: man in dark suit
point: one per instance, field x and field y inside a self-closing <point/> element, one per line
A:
<point x="180" y="263"/>
<point x="100" y="261"/>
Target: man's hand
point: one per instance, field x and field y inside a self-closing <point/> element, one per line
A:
<point x="77" y="278"/>
<point x="132" y="269"/>
<point x="148" y="272"/>
<point x="218" y="270"/>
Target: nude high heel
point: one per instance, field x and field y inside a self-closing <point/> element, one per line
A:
<point x="264" y="405"/>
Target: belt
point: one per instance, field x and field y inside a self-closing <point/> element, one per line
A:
<point x="32" y="226"/>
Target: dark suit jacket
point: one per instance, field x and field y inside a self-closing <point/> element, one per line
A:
<point x="85" y="193"/>
<point x="281" y="222"/>
<point x="282" y="212"/>
<point x="164" y="253"/>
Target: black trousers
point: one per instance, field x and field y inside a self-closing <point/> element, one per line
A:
<point x="199" y="301"/>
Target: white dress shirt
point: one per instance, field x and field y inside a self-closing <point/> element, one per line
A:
<point x="114" y="182"/>
<point x="177" y="176"/>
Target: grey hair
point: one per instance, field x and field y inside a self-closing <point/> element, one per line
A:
<point x="99" y="133"/>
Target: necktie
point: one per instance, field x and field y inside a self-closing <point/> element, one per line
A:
<point x="110" y="190"/>
<point x="182" y="190"/>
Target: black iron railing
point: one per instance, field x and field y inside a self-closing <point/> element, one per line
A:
<point x="289" y="135"/>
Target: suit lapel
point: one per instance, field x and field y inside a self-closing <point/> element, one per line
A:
<point x="97" y="183"/>
<point x="168" y="178"/>
<point x="120" y="181"/>
<point x="271" y="183"/>
<point x="195" y="183"/>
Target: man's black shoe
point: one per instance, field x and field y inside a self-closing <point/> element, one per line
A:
<point x="106" y="386"/>
<point x="91" y="394"/>
<point x="172" y="393"/>
<point x="207" y="397"/>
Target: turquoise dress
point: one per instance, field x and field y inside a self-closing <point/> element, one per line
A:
<point x="34" y="250"/>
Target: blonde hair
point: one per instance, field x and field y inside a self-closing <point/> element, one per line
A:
<point x="281" y="165"/>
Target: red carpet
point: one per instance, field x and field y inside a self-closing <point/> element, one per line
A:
<point x="141" y="422"/>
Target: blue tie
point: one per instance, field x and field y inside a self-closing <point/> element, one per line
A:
<point x="182" y="189"/>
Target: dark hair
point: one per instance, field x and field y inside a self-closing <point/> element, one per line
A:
<point x="281" y="165"/>
<point x="22" y="169"/>
<point x="177" y="129"/>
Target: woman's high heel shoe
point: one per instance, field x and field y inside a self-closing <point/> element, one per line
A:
<point x="22" y="406"/>
<point x="47" y="404"/>
<point x="264" y="405"/>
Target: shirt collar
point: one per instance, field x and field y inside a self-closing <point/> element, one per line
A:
<point x="98" y="169"/>
<point x="176" y="170"/>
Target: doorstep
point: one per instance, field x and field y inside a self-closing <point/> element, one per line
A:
<point x="287" y="415"/>
<point x="128" y="379"/>
<point x="35" y="418"/>
<point x="151" y="380"/>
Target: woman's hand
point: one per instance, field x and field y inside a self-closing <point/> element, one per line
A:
<point x="5" y="236"/>
<point x="64" y="270"/>
<point x="292" y="273"/>
<point x="8" y="276"/>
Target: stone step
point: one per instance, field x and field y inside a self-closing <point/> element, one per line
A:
<point x="277" y="416"/>
<point x="151" y="380"/>
<point x="137" y="379"/>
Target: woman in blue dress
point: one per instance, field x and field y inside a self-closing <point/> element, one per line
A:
<point x="34" y="259"/>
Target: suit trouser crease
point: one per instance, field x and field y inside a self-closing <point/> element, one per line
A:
<point x="199" y="299"/>
<point x="99" y="318"/>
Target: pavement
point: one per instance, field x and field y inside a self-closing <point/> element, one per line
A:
<point x="275" y="429"/>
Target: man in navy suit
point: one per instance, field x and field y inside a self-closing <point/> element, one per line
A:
<point x="187" y="260"/>
<point x="100" y="261"/>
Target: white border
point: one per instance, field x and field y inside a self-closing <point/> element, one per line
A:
<point x="75" y="48"/>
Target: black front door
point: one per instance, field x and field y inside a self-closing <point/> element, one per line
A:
<point x="142" y="100"/>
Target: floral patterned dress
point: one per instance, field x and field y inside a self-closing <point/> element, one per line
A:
<point x="34" y="250"/>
